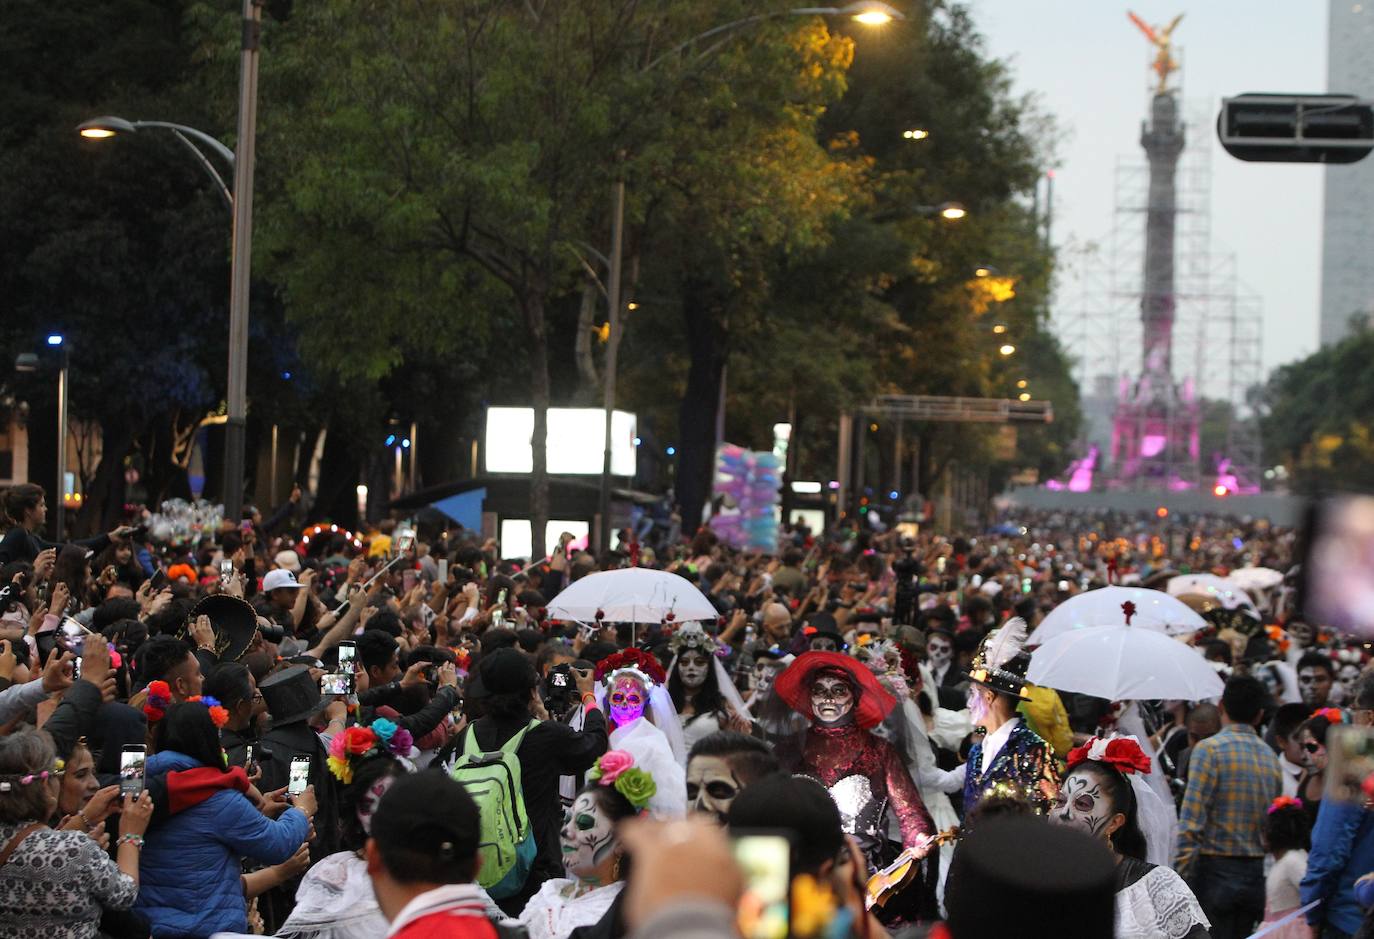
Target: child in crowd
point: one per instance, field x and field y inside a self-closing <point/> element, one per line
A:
<point x="1287" y="836"/>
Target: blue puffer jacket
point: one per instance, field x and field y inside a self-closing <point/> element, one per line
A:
<point x="189" y="872"/>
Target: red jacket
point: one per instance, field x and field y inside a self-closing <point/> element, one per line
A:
<point x="455" y="911"/>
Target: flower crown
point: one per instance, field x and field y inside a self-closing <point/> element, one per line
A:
<point x="693" y="636"/>
<point x="636" y="661"/>
<point x="160" y="698"/>
<point x="1121" y="752"/>
<point x="1283" y="802"/>
<point x="358" y="743"/>
<point x="8" y="783"/>
<point x="1332" y="715"/>
<point x="616" y="769"/>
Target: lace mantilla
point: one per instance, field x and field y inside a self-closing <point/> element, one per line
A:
<point x="1157" y="906"/>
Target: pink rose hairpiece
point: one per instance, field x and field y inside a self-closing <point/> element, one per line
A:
<point x="1283" y="802"/>
<point x="616" y="769"/>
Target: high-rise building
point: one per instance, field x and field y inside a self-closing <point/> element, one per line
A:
<point x="1348" y="214"/>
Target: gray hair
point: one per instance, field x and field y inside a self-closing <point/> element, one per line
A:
<point x="24" y="753"/>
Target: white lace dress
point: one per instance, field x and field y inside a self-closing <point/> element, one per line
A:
<point x="1155" y="903"/>
<point x="551" y="914"/>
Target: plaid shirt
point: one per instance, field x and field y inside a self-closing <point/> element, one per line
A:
<point x="1232" y="778"/>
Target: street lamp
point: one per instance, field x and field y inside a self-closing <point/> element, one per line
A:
<point x="915" y="133"/>
<point x="952" y="211"/>
<point x="28" y="362"/>
<point x="240" y="204"/>
<point x="103" y="128"/>
<point x="1007" y="349"/>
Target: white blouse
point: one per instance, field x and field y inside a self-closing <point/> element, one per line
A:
<point x="550" y="914"/>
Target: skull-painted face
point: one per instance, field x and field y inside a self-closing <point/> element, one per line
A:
<point x="627" y="700"/>
<point x="832" y="699"/>
<point x="1085" y="804"/>
<point x="940" y="651"/>
<point x="588" y="839"/>
<point x="711" y="786"/>
<point x="765" y="670"/>
<point x="824" y="644"/>
<point x="692" y="667"/>
<point x="367" y="802"/>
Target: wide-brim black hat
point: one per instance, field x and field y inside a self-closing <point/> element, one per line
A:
<point x="235" y="622"/>
<point x="292" y="695"/>
<point x="1010" y="679"/>
<point x="1027" y="878"/>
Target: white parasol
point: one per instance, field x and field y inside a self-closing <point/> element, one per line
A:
<point x="631" y="595"/>
<point x="1226" y="592"/>
<point x="1124" y="663"/>
<point x="1256" y="578"/>
<point x="1154" y="609"/>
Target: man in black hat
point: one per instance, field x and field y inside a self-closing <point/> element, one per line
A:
<point x="293" y="702"/>
<point x="1011" y="759"/>
<point x="550" y="749"/>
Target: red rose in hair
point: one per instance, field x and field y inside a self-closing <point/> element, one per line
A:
<point x="632" y="658"/>
<point x="358" y="740"/>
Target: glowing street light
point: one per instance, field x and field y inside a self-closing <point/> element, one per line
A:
<point x="999" y="329"/>
<point x="871" y="13"/>
<point x="985" y="270"/>
<point x="915" y="133"/>
<point x="1007" y="349"/>
<point x="1024" y="396"/>
<point x="953" y="211"/>
<point x="1022" y="383"/>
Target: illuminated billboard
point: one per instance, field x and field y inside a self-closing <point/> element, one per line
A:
<point x="576" y="441"/>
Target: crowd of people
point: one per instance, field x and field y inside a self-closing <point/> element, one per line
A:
<point x="263" y="728"/>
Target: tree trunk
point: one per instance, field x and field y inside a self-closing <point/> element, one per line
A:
<point x="105" y="499"/>
<point x="588" y="381"/>
<point x="707" y="335"/>
<point x="537" y="342"/>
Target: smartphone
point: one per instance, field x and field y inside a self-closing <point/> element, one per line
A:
<point x="131" y="759"/>
<point x="246" y="525"/>
<point x="300" y="775"/>
<point x="73" y="635"/>
<point x="157" y="581"/>
<point x="248" y="758"/>
<point x="76" y="667"/>
<point x="765" y="859"/>
<point x="336" y="684"/>
<point x="443" y="570"/>
<point x="348" y="652"/>
<point x="226" y="571"/>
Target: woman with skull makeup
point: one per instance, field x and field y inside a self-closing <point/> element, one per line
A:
<point x="705" y="698"/>
<point x="865" y="774"/>
<point x="644" y="724"/>
<point x="596" y="864"/>
<point x="1105" y="795"/>
<point x="1312" y="739"/>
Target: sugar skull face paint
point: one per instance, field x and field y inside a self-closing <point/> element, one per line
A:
<point x="1083" y="803"/>
<point x="627" y="700"/>
<point x="939" y="651"/>
<point x="711" y="786"/>
<point x="692" y="667"/>
<point x="367" y="802"/>
<point x="832" y="699"/>
<point x="587" y="837"/>
<point x="765" y="670"/>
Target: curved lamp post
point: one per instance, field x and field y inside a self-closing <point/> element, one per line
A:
<point x="103" y="128"/>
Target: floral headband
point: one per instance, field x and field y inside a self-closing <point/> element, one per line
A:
<point x="1283" y="802"/>
<point x="160" y="698"/>
<point x="1332" y="715"/>
<point x="358" y="743"/>
<point x="616" y="769"/>
<point x="1121" y="752"/>
<point x="636" y="661"/>
<point x="693" y="637"/>
<point x="7" y="783"/>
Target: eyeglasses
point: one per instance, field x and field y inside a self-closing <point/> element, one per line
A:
<point x="1313" y="747"/>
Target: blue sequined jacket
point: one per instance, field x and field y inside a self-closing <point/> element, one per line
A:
<point x="1024" y="767"/>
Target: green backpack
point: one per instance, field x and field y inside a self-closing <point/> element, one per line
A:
<point x="507" y="842"/>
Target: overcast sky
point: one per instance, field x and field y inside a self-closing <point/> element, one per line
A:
<point x="1087" y="64"/>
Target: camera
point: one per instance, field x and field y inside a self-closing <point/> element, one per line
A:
<point x="272" y="632"/>
<point x="559" y="689"/>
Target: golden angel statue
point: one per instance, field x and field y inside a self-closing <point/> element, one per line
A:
<point x="1161" y="38"/>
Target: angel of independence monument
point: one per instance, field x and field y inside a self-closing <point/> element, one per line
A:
<point x="1155" y="427"/>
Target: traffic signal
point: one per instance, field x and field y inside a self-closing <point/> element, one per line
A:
<point x="1268" y="128"/>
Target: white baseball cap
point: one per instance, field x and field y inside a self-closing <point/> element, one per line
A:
<point x="279" y="579"/>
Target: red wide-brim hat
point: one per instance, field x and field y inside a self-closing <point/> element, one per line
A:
<point x="794" y="686"/>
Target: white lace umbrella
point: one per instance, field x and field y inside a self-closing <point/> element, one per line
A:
<point x="1124" y="663"/>
<point x="1154" y="609"/>
<point x="1256" y="578"/>
<point x="1226" y="592"/>
<point x="631" y="595"/>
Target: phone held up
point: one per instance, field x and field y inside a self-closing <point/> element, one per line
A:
<point x="300" y="775"/>
<point x="765" y="858"/>
<point x="131" y="760"/>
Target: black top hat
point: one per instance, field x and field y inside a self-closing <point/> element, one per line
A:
<point x="1069" y="890"/>
<point x="292" y="695"/>
<point x="1010" y="679"/>
<point x="235" y="622"/>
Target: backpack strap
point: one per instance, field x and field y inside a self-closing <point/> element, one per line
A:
<point x="513" y="744"/>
